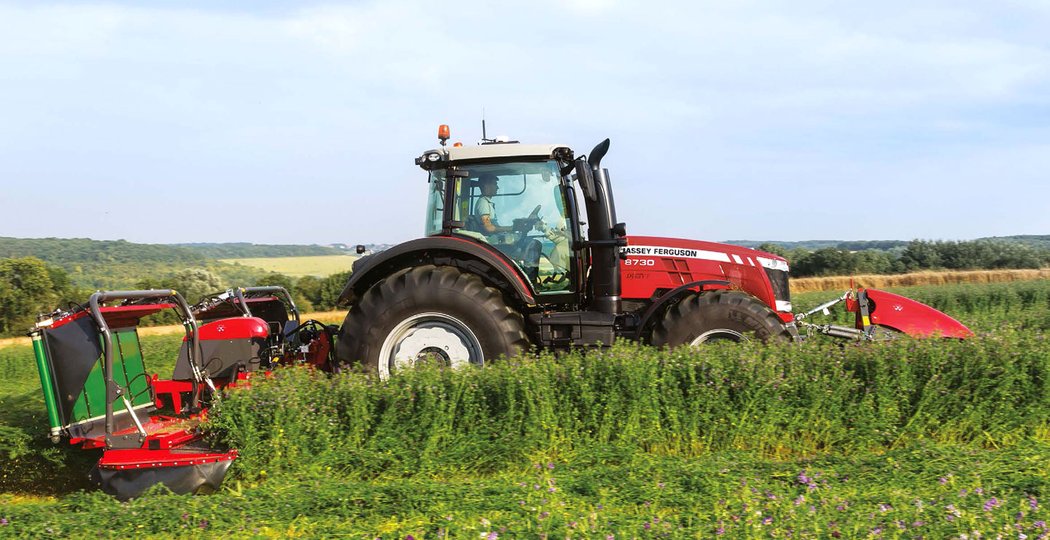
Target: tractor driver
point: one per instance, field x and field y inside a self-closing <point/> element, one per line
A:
<point x="485" y="209"/>
<point x="524" y="249"/>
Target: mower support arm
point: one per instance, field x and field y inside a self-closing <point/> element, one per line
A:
<point x="273" y="289"/>
<point x="823" y="307"/>
<point x="113" y="390"/>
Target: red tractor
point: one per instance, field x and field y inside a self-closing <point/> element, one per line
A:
<point x="510" y="262"/>
<point x="477" y="287"/>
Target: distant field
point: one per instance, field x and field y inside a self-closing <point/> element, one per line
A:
<point x="320" y="266"/>
<point x="801" y="285"/>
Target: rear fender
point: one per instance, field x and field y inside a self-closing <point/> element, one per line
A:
<point x="488" y="262"/>
<point x="911" y="317"/>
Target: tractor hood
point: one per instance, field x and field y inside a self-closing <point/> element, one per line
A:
<point x="653" y="264"/>
<point x="654" y="246"/>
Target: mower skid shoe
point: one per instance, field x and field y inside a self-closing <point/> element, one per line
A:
<point x="913" y="318"/>
<point x="126" y="478"/>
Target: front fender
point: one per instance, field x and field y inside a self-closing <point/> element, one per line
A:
<point x="476" y="256"/>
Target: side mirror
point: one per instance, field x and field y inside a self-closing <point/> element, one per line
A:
<point x="586" y="179"/>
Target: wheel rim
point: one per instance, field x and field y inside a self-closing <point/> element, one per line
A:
<point x="718" y="334"/>
<point x="434" y="337"/>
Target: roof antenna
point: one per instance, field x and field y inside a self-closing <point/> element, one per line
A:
<point x="484" y="135"/>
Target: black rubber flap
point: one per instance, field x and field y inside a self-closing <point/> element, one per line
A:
<point x="74" y="349"/>
<point x="130" y="483"/>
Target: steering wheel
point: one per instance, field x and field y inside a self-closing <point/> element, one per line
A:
<point x="526" y="223"/>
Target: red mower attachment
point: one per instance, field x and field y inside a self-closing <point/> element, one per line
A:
<point x="883" y="315"/>
<point x="98" y="395"/>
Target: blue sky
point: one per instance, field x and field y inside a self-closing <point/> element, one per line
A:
<point x="298" y="122"/>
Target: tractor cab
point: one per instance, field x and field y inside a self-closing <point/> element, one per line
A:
<point x="521" y="199"/>
<point x="520" y="208"/>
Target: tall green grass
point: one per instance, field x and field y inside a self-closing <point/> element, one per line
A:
<point x="783" y="401"/>
<point x="934" y="438"/>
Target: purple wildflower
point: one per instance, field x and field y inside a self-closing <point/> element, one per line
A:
<point x="1041" y="525"/>
<point x="572" y="524"/>
<point x="610" y="537"/>
<point x="535" y="486"/>
<point x="3" y="522"/>
<point x="552" y="489"/>
<point x="492" y="536"/>
<point x="842" y="506"/>
<point x="550" y="466"/>
<point x="1033" y="503"/>
<point x="876" y="531"/>
<point x="660" y="485"/>
<point x="545" y="514"/>
<point x="801" y="499"/>
<point x="979" y="491"/>
<point x="768" y="520"/>
<point x="720" y="531"/>
<point x="203" y="524"/>
<point x="943" y="480"/>
<point x="883" y="507"/>
<point x="803" y="479"/>
<point x="991" y="504"/>
<point x="962" y="492"/>
<point x="410" y="537"/>
<point x="647" y="526"/>
<point x="919" y="523"/>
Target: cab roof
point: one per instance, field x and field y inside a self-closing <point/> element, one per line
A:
<point x="499" y="150"/>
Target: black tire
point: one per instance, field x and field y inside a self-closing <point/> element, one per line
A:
<point x="719" y="315"/>
<point x="446" y="314"/>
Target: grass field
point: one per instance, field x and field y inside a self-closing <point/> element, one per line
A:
<point x="905" y="439"/>
<point x="320" y="266"/>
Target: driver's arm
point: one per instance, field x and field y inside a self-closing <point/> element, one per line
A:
<point x="490" y="227"/>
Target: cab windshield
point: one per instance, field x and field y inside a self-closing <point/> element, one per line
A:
<point x="519" y="209"/>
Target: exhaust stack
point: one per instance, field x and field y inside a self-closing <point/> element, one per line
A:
<point x="604" y="235"/>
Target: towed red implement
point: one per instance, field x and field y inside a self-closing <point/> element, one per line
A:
<point x="98" y="394"/>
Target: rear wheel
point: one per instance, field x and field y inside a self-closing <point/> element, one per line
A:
<point x="719" y="316"/>
<point x="429" y="314"/>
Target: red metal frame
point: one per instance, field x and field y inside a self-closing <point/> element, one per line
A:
<point x="140" y="459"/>
<point x="117" y="316"/>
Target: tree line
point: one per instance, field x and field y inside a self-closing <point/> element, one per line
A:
<point x="914" y="256"/>
<point x="30" y="287"/>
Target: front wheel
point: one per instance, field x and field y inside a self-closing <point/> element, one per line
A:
<point x="429" y="314"/>
<point x="719" y="316"/>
